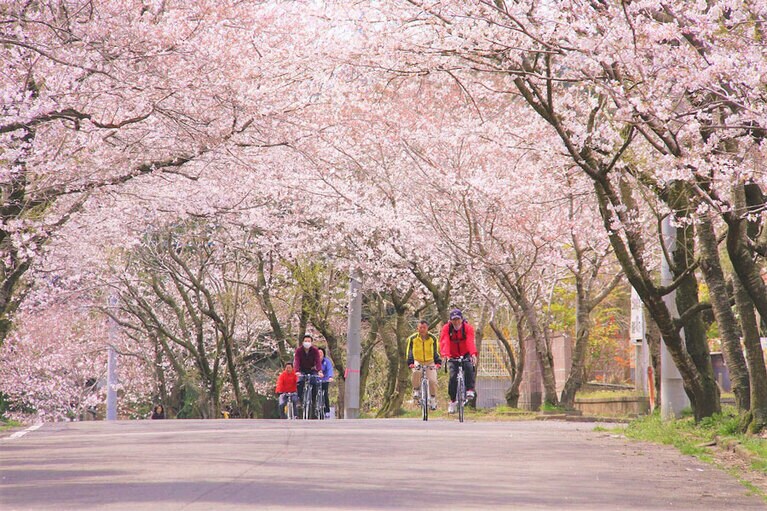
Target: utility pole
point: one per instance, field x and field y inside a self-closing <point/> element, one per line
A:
<point x="639" y="338"/>
<point x="112" y="364"/>
<point x="353" y="349"/>
<point x="673" y="398"/>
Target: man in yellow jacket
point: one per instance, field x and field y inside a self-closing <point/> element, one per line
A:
<point x="423" y="350"/>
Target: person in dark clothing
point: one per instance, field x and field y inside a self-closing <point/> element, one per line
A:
<point x="307" y="361"/>
<point x="327" y="377"/>
<point x="158" y="412"/>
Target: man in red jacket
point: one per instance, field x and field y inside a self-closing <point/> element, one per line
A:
<point x="457" y="341"/>
<point x="286" y="388"/>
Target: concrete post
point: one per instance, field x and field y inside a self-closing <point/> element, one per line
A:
<point x="639" y="338"/>
<point x="112" y="365"/>
<point x="353" y="349"/>
<point x="673" y="398"/>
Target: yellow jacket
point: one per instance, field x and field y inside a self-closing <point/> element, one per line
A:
<point x="423" y="351"/>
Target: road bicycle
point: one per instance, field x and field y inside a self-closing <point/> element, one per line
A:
<point x="310" y="381"/>
<point x="460" y="393"/>
<point x="290" y="405"/>
<point x="424" y="392"/>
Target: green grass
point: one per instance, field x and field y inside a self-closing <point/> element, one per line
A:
<point x="690" y="438"/>
<point x="9" y="424"/>
<point x="548" y="407"/>
<point x="606" y="394"/>
<point x="681" y="433"/>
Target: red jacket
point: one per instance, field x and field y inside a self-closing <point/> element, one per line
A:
<point x="287" y="382"/>
<point x="457" y="343"/>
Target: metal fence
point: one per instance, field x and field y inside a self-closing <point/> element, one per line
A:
<point x="493" y="378"/>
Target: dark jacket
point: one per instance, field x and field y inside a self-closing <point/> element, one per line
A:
<point x="307" y="362"/>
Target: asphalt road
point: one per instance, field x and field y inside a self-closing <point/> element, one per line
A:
<point x="361" y="464"/>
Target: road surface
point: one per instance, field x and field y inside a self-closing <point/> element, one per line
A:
<point x="352" y="465"/>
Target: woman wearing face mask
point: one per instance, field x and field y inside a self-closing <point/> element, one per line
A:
<point x="307" y="361"/>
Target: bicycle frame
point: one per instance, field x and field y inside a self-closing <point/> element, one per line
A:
<point x="310" y="380"/>
<point x="460" y="393"/>
<point x="319" y="405"/>
<point x="290" y="405"/>
<point x="425" y="392"/>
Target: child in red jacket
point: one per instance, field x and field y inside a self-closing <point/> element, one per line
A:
<point x="287" y="382"/>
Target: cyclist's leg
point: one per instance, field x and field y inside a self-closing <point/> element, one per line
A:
<point x="300" y="390"/>
<point x="315" y="384"/>
<point x="281" y="405"/>
<point x="326" y="392"/>
<point x="468" y="372"/>
<point x="452" y="385"/>
<point x="416" y="380"/>
<point x="431" y="375"/>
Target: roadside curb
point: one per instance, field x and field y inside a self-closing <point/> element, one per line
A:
<point x="581" y="418"/>
<point x="15" y="433"/>
<point x="734" y="446"/>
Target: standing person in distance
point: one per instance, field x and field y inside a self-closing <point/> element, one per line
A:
<point x="327" y="377"/>
<point x="307" y="362"/>
<point x="422" y="349"/>
<point x="456" y="340"/>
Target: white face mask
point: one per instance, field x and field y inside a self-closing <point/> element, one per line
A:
<point x="307" y="345"/>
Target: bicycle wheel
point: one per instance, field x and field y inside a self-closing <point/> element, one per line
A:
<point x="307" y="400"/>
<point x="425" y="398"/>
<point x="291" y="410"/>
<point x="319" y="407"/>
<point x="461" y="397"/>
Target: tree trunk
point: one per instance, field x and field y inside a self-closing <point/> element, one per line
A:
<point x="234" y="377"/>
<point x="516" y="364"/>
<point x="725" y="318"/>
<point x="389" y="406"/>
<point x="757" y="419"/>
<point x="368" y="349"/>
<point x="398" y="383"/>
<point x="747" y="270"/>
<point x="630" y="256"/>
<point x="265" y="300"/>
<point x="543" y="352"/>
<point x="707" y="402"/>
<point x="582" y="330"/>
<point x="653" y="344"/>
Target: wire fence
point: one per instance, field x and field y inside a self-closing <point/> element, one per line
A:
<point x="493" y="360"/>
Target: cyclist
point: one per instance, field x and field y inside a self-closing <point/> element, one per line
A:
<point x="286" y="383"/>
<point x="307" y="362"/>
<point x="422" y="350"/>
<point x="457" y="341"/>
<point x="327" y="377"/>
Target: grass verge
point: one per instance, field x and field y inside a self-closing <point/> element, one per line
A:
<point x="9" y="424"/>
<point x="749" y="467"/>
